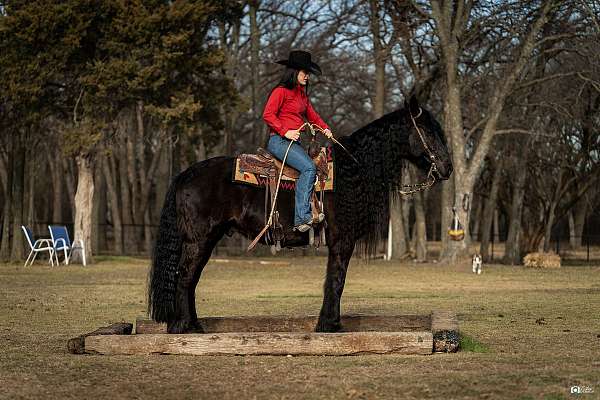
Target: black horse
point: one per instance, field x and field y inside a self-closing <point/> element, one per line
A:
<point x="203" y="204"/>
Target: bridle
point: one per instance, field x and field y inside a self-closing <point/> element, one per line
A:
<point x="430" y="180"/>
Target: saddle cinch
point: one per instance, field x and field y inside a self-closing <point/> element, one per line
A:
<point x="262" y="169"/>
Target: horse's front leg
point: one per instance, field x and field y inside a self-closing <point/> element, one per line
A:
<point x="337" y="265"/>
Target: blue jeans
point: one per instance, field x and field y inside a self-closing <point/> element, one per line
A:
<point x="297" y="158"/>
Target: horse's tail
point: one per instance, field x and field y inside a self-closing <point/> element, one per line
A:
<point x="162" y="282"/>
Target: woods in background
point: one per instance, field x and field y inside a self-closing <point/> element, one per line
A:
<point x="101" y="103"/>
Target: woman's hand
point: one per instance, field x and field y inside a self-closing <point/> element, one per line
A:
<point x="293" y="134"/>
<point x="328" y="133"/>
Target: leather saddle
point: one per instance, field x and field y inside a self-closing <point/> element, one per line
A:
<point x="265" y="164"/>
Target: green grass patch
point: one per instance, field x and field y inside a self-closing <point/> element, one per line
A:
<point x="469" y="344"/>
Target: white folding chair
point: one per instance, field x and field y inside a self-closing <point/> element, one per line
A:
<point x="37" y="246"/>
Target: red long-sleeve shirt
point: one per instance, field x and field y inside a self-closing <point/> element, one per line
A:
<point x="286" y="109"/>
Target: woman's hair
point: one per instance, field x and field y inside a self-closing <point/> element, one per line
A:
<point x="289" y="80"/>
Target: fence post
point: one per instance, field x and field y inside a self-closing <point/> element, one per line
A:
<point x="557" y="244"/>
<point x="492" y="257"/>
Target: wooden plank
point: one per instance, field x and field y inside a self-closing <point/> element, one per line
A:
<point x="446" y="335"/>
<point x="351" y="323"/>
<point x="77" y="345"/>
<point x="261" y="343"/>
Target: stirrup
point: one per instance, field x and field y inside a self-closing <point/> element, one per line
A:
<point x="303" y="227"/>
<point x="319" y="219"/>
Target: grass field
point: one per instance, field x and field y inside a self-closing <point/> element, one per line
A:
<point x="527" y="334"/>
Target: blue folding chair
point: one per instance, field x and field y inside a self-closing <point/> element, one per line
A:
<point x="37" y="246"/>
<point x="61" y="241"/>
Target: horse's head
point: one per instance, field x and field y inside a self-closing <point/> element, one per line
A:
<point x="427" y="141"/>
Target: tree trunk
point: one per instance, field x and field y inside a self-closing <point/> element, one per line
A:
<point x="476" y="219"/>
<point x="163" y="177"/>
<point x="420" y="230"/>
<point x="100" y="211"/>
<point x="56" y="174"/>
<point x="18" y="199"/>
<point x="31" y="174"/>
<point x="3" y="175"/>
<point x="496" y="228"/>
<point x="8" y="200"/>
<point x="115" y="211"/>
<point x="551" y="211"/>
<point x="512" y="252"/>
<point x="4" y="196"/>
<point x="139" y="198"/>
<point x="131" y="144"/>
<point x="6" y="223"/>
<point x="230" y="50"/>
<point x="397" y="246"/>
<point x="446" y="214"/>
<point x="379" y="56"/>
<point x="130" y="242"/>
<point x="147" y="232"/>
<point x="578" y="215"/>
<point x="84" y="205"/>
<point x="254" y="72"/>
<point x="489" y="211"/>
<point x="406" y="204"/>
<point x="69" y="174"/>
<point x="548" y="227"/>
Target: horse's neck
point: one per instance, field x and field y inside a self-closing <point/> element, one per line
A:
<point x="381" y="146"/>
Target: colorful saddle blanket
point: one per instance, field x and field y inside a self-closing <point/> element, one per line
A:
<point x="257" y="169"/>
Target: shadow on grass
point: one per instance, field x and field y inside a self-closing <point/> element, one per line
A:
<point x="119" y="259"/>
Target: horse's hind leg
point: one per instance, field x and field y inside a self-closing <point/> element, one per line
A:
<point x="194" y="257"/>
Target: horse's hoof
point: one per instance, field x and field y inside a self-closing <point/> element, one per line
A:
<point x="328" y="327"/>
<point x="183" y="326"/>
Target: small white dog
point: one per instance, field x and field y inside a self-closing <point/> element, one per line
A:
<point x="477" y="264"/>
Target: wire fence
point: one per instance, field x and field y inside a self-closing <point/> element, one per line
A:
<point x="576" y="248"/>
<point x="138" y="239"/>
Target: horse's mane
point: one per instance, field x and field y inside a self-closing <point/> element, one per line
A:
<point x="364" y="189"/>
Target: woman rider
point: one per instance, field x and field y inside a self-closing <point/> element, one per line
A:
<point x="286" y="110"/>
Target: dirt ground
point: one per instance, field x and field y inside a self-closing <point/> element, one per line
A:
<point x="529" y="334"/>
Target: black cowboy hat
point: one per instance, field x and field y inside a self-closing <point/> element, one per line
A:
<point x="299" y="59"/>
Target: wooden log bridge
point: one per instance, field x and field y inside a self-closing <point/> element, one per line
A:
<point x="272" y="335"/>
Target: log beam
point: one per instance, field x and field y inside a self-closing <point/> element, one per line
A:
<point x="264" y="343"/>
<point x="77" y="345"/>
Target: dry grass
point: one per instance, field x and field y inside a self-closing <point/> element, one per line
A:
<point x="533" y="333"/>
<point x="542" y="260"/>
